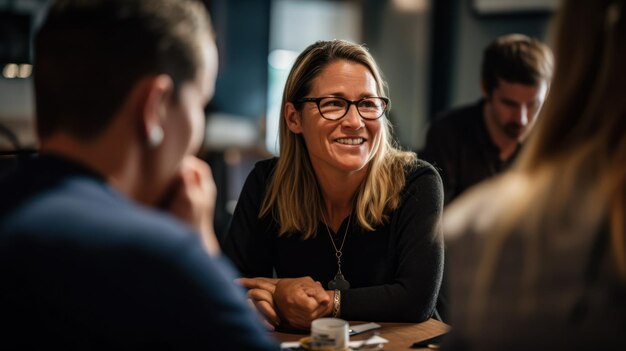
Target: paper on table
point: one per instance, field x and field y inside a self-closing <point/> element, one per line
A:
<point x="374" y="340"/>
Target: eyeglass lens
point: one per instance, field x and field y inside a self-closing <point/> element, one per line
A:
<point x="335" y="108"/>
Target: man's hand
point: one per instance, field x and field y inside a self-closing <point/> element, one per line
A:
<point x="192" y="199"/>
<point x="260" y="294"/>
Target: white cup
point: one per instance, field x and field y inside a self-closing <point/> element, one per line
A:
<point x="329" y="334"/>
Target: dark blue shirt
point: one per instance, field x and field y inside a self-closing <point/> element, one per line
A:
<point x="84" y="267"/>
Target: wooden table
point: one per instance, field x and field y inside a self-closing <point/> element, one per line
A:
<point x="400" y="335"/>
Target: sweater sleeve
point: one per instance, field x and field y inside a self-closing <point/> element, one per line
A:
<point x="248" y="243"/>
<point x="417" y="251"/>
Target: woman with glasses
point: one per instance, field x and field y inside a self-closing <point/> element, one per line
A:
<point x="348" y="223"/>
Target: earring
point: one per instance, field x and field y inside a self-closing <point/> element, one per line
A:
<point x="155" y="136"/>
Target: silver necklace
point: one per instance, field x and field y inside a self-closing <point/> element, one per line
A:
<point x="339" y="282"/>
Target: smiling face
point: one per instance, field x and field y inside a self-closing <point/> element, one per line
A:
<point x="346" y="145"/>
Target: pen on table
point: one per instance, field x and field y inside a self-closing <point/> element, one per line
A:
<point x="362" y="328"/>
<point x="433" y="343"/>
<point x="424" y="345"/>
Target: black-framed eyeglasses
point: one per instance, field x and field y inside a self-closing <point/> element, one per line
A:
<point x="334" y="107"/>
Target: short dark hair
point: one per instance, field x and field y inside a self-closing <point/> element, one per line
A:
<point x="89" y="54"/>
<point x="516" y="58"/>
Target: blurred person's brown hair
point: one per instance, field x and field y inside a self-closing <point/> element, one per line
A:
<point x="86" y="67"/>
<point x="571" y="176"/>
<point x="516" y="58"/>
<point x="582" y="134"/>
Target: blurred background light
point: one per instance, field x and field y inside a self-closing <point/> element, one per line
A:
<point x="10" y="70"/>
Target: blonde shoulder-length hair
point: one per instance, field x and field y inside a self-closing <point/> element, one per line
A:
<point x="293" y="196"/>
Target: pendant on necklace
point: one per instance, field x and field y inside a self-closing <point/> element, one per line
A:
<point x="339" y="283"/>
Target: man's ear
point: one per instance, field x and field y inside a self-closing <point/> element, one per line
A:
<point x="157" y="93"/>
<point x="293" y="117"/>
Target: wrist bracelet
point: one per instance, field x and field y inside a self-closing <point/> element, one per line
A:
<point x="337" y="304"/>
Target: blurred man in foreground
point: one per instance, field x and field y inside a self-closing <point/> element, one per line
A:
<point x="101" y="236"/>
